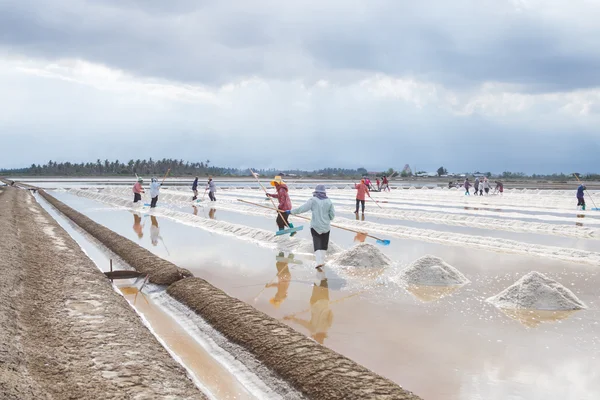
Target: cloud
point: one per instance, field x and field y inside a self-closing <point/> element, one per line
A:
<point x="489" y="85"/>
<point x="546" y="45"/>
<point x="81" y="110"/>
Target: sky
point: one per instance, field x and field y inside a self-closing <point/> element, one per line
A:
<point x="487" y="85"/>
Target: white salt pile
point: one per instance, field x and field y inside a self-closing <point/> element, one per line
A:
<point x="363" y="255"/>
<point x="432" y="271"/>
<point x="536" y="291"/>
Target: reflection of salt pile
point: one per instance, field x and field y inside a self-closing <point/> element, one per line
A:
<point x="535" y="291"/>
<point x="307" y="248"/>
<point x="432" y="271"/>
<point x="363" y="255"/>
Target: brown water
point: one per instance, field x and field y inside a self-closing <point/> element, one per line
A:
<point x="440" y="343"/>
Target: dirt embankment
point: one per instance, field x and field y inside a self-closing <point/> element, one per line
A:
<point x="65" y="333"/>
<point x="160" y="271"/>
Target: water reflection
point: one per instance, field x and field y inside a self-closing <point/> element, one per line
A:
<point x="533" y="318"/>
<point x="428" y="294"/>
<point x="211" y="213"/>
<point x="283" y="280"/>
<point x="362" y="217"/>
<point x="154" y="231"/>
<point x="195" y="210"/>
<point x="360" y="237"/>
<point x="321" y="316"/>
<point x="138" y="228"/>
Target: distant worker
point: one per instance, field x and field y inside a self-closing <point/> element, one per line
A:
<point x="138" y="189"/>
<point x="486" y="186"/>
<point x="154" y="189"/>
<point x="499" y="187"/>
<point x="284" y="202"/>
<point x="476" y="185"/>
<point x="385" y="184"/>
<point x="212" y="189"/>
<point x="580" y="199"/>
<point x="362" y="190"/>
<point x="195" y="188"/>
<point x="323" y="213"/>
<point x="378" y="184"/>
<point x="467" y="185"/>
<point x="368" y="182"/>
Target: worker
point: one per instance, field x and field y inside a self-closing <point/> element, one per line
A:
<point x="323" y="213"/>
<point x="467" y="185"/>
<point x="385" y="184"/>
<point x="138" y="189"/>
<point x="499" y="187"/>
<point x="195" y="188"/>
<point x="476" y="185"/>
<point x="378" y="184"/>
<point x="284" y="202"/>
<point x="154" y="189"/>
<point x="486" y="186"/>
<point x="580" y="199"/>
<point x="212" y="189"/>
<point x="362" y="190"/>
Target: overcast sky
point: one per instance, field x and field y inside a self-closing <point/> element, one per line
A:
<point x="488" y="85"/>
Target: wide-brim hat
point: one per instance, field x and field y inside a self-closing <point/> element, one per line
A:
<point x="277" y="180"/>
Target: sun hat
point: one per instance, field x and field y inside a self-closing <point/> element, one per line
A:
<point x="320" y="189"/>
<point x="277" y="180"/>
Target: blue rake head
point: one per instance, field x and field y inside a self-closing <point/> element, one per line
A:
<point x="383" y="242"/>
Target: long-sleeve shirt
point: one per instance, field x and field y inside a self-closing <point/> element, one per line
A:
<point x="212" y="187"/>
<point x="467" y="185"/>
<point x="486" y="184"/>
<point x="284" y="199"/>
<point x="154" y="189"/>
<point x="137" y="188"/>
<point x="476" y="183"/>
<point x="362" y="190"/>
<point x="580" y="192"/>
<point x="323" y="213"/>
<point x="195" y="184"/>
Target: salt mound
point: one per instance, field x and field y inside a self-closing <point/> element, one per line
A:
<point x="363" y="255"/>
<point x="307" y="247"/>
<point x="432" y="271"/>
<point x="536" y="291"/>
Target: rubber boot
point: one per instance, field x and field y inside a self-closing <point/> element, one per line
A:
<point x="583" y="207"/>
<point x="319" y="258"/>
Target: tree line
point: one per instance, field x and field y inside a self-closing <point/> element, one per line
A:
<point x="160" y="167"/>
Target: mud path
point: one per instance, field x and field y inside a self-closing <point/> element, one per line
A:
<point x="65" y="332"/>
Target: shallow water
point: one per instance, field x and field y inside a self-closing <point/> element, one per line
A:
<point x="415" y="337"/>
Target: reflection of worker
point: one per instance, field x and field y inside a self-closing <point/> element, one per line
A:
<point x="211" y="213"/>
<point x="195" y="210"/>
<point x="360" y="237"/>
<point x="154" y="231"/>
<point x="283" y="283"/>
<point x="321" y="316"/>
<point x="137" y="226"/>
